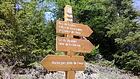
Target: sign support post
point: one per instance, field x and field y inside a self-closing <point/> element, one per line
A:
<point x="68" y="17"/>
<point x="69" y="45"/>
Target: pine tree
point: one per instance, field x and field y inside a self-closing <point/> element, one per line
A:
<point x="7" y="23"/>
<point x="34" y="38"/>
<point x="25" y="36"/>
<point x="126" y="33"/>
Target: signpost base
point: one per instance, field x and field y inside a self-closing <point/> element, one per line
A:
<point x="70" y="74"/>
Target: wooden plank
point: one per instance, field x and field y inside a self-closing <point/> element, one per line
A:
<point x="73" y="28"/>
<point x="63" y="63"/>
<point x="73" y="45"/>
<point x="70" y="74"/>
<point x="68" y="13"/>
<point x="68" y="17"/>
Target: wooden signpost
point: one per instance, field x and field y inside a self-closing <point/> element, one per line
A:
<point x="69" y="62"/>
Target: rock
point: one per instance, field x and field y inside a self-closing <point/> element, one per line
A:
<point x="91" y="72"/>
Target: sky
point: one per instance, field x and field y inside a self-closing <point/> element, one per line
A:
<point x="49" y="16"/>
<point x="136" y="4"/>
<point x="26" y="0"/>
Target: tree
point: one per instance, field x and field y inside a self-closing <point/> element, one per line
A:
<point x="126" y="33"/>
<point x="34" y="38"/>
<point x="7" y="23"/>
<point x="25" y="32"/>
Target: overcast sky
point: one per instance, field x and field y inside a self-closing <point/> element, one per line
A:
<point x="136" y="4"/>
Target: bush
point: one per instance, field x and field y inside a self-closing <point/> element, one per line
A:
<point x="129" y="61"/>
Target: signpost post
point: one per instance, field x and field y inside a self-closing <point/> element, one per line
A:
<point x="68" y="17"/>
<point x="69" y="62"/>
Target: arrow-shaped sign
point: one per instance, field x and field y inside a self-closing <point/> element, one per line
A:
<point x="73" y="29"/>
<point x="74" y="45"/>
<point x="63" y="63"/>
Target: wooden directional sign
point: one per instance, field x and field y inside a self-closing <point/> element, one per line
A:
<point x="63" y="63"/>
<point x="74" y="45"/>
<point x="70" y="45"/>
<point x="73" y="29"/>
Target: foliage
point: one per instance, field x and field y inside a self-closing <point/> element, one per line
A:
<point x="35" y="38"/>
<point x="28" y="37"/>
<point x="126" y="33"/>
<point x="94" y="52"/>
<point x="128" y="60"/>
<point x="7" y="22"/>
